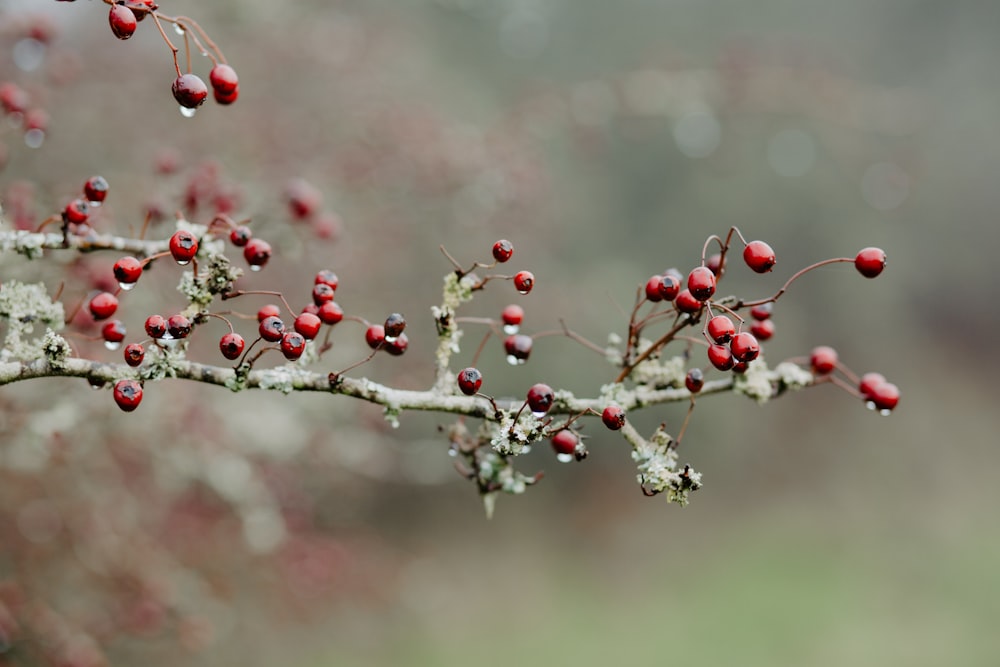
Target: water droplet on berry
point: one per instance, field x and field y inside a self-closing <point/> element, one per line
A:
<point x="523" y="291"/>
<point x="188" y="113"/>
<point x="885" y="413"/>
<point x="127" y="286"/>
<point x="391" y="339"/>
<point x="179" y="30"/>
<point x="183" y="262"/>
<point x="870" y="405"/>
<point x="564" y="458"/>
<point x="94" y="204"/>
<point x="538" y="415"/>
<point x="514" y="361"/>
<point x="112" y="345"/>
<point x="511" y="329"/>
<point x="169" y="341"/>
<point x="453" y="453"/>
<point x="255" y="267"/>
<point x="34" y="138"/>
<point x="29" y="53"/>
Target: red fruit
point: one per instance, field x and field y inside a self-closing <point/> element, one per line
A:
<point x="759" y="256"/>
<point x="701" y="283"/>
<point x="870" y="261"/>
<point x="695" y="380"/>
<point x="103" y="305"/>
<point x="311" y="308"/>
<point x="394" y="325"/>
<point x="540" y="399"/>
<point x="823" y="360"/>
<point x="271" y="329"/>
<point x="128" y="394"/>
<point x="134" y="354"/>
<point x="76" y="212"/>
<point x="256" y="252"/>
<point x="223" y="79"/>
<point x="375" y="336"/>
<point x="714" y="264"/>
<point x="189" y="91"/>
<point x="503" y="250"/>
<point x="225" y="99"/>
<point x="270" y="310"/>
<point x="327" y="277"/>
<point x="127" y="270"/>
<point x="303" y="198"/>
<point x="140" y="7"/>
<point x="740" y="367"/>
<point x="397" y="345"/>
<point x="96" y="187"/>
<point x="183" y="246"/>
<point x="565" y="441"/>
<point x="613" y="417"/>
<point x="36" y="119"/>
<point x="123" y="21"/>
<point x="720" y="329"/>
<point x="156" y="326"/>
<point x="512" y="315"/>
<point x="721" y="357"/>
<point x="231" y="345"/>
<point x="293" y="344"/>
<point x="13" y="98"/>
<point x="330" y="312"/>
<point x="744" y="346"/>
<point x="113" y="333"/>
<point x="322" y="293"/>
<point x="762" y="329"/>
<point x="240" y="236"/>
<point x="670" y="287"/>
<point x="518" y="348"/>
<point x="470" y="380"/>
<point x="653" y="286"/>
<point x="885" y="396"/>
<point x="868" y="383"/>
<point x="308" y="325"/>
<point x="761" y="312"/>
<point x="686" y="303"/>
<point x="524" y="281"/>
<point x="178" y="326"/>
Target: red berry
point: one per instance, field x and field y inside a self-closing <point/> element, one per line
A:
<point x="240" y="236"/>
<point x="96" y="188"/>
<point x="518" y="348"/>
<point x="701" y="283"/>
<point x="744" y="346"/>
<point x="761" y="312"/>
<point x="36" y="119"/>
<point x="524" y="281"/>
<point x="113" y="332"/>
<point x="670" y="287"/>
<point x="189" y="91"/>
<point x="310" y="308"/>
<point x="714" y="264"/>
<point x="103" y="305"/>
<point x="823" y="360"/>
<point x="128" y="394"/>
<point x="397" y="345"/>
<point x="256" y="252"/>
<point x="223" y="79"/>
<point x="156" y="326"/>
<point x="140" y="7"/>
<point x="134" y="354"/>
<point x="127" y="271"/>
<point x="327" y="277"/>
<point x="868" y="383"/>
<point x="653" y="286"/>
<point x="721" y="357"/>
<point x="695" y="380"/>
<point x="308" y="325"/>
<point x="77" y="212"/>
<point x="512" y="315"/>
<point x="293" y="344"/>
<point x="740" y="367"/>
<point x="122" y="20"/>
<point x="225" y="99"/>
<point x="178" y="326"/>
<point x="613" y="417"/>
<point x="540" y="399"/>
<point x="231" y="345"/>
<point x="565" y="442"/>
<point x="686" y="303"/>
<point x="870" y="261"/>
<point x="720" y="329"/>
<point x="394" y="325"/>
<point x="759" y="256"/>
<point x="271" y="329"/>
<point x="13" y="98"/>
<point x="375" y="336"/>
<point x="270" y="310"/>
<point x="470" y="380"/>
<point x="183" y="246"/>
<point x="322" y="293"/>
<point x="330" y="312"/>
<point x="885" y="397"/>
<point x="762" y="329"/>
<point x="503" y="250"/>
<point x="303" y="198"/>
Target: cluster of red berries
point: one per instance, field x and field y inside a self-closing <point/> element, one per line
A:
<point x="388" y="336"/>
<point x="191" y="92"/>
<point x="16" y="105"/>
<point x="872" y="388"/>
<point x="305" y="204"/>
<point x="76" y="214"/>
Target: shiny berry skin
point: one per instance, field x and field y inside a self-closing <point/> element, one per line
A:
<point x="701" y="283"/>
<point x="308" y="325"/>
<point x="326" y="277"/>
<point x="95" y="189"/>
<point x="823" y="360"/>
<point x="653" y="286"/>
<point x="720" y="329"/>
<point x="113" y="332"/>
<point x="613" y="417"/>
<point x="189" y="91"/>
<point x="686" y="303"/>
<point x="695" y="380"/>
<point x="127" y="270"/>
<point x="140" y="7"/>
<point x="178" y="326"/>
<point x="77" y="212"/>
<point x="518" y="347"/>
<point x="565" y="441"/>
<point x="123" y="22"/>
<point x="134" y="353"/>
<point x="762" y="329"/>
<point x="270" y="310"/>
<point x="240" y="236"/>
<point x="231" y="346"/>
<point x="870" y="261"/>
<point x="103" y="305"/>
<point x="223" y="79"/>
<point x="670" y="287"/>
<point x="156" y="326"/>
<point x="330" y="312"/>
<point x="759" y="256"/>
<point x="512" y="315"/>
<point x="398" y="345"/>
<point x="868" y="383"/>
<point x="375" y="336"/>
<point x="293" y="344"/>
<point x="394" y="325"/>
<point x="469" y="381"/>
<point x="885" y="396"/>
<point x="271" y="329"/>
<point x="524" y="281"/>
<point x="740" y="367"/>
<point x="721" y="357"/>
<point x="256" y="252"/>
<point x="762" y="312"/>
<point x="183" y="246"/>
<point x="714" y="264"/>
<point x="128" y="394"/>
<point x="744" y="346"/>
<point x="540" y="398"/>
<point x="321" y="293"/>
<point x="503" y="250"/>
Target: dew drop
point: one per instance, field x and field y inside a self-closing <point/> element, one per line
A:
<point x="512" y="360"/>
<point x="169" y="341"/>
<point x="870" y="405"/>
<point x="526" y="449"/>
<point x="29" y="54"/>
<point x="188" y="113"/>
<point x="34" y="138"/>
<point x="178" y="29"/>
<point x="391" y="339"/>
<point x="885" y="413"/>
<point x="523" y="291"/>
<point x="204" y="54"/>
<point x="538" y="415"/>
<point x="112" y="345"/>
<point x="127" y="286"/>
<point x="453" y="453"/>
<point x="255" y="267"/>
<point x="511" y="329"/>
<point x="564" y="458"/>
<point x="183" y="262"/>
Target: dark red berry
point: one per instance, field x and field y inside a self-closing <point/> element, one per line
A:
<point x="95" y="189"/>
<point x="103" y="305"/>
<point x="240" y="236"/>
<point x="134" y="354"/>
<point x="128" y="394"/>
<point x="613" y="417"/>
<point x="189" y="91"/>
<point x="565" y="442"/>
<point x="127" y="271"/>
<point x="670" y="287"/>
<point x="740" y="367"/>
<point x="321" y="293"/>
<point x="701" y="283"/>
<point x="256" y="252"/>
<point x="524" y="281"/>
<point x="397" y="345"/>
<point x="762" y="329"/>
<point x="140" y="7"/>
<point x="225" y="99"/>
<point x="721" y="357"/>
<point x="270" y="310"/>
<point x="156" y="326"/>
<point x="122" y="20"/>
<point x="113" y="332"/>
<point x="714" y="264"/>
<point x="330" y="312"/>
<point x="870" y="261"/>
<point x="761" y="312"/>
<point x="293" y="344"/>
<point x="327" y="277"/>
<point x="77" y="212"/>
<point x="470" y="380"/>
<point x="885" y="396"/>
<point x="653" y="286"/>
<point x="271" y="329"/>
<point x="868" y="383"/>
<point x="759" y="256"/>
<point x="394" y="325"/>
<point x="303" y="198"/>
<point x="720" y="329"/>
<point x="375" y="336"/>
<point x="518" y="348"/>
<point x="540" y="398"/>
<point x="744" y="346"/>
<point x="223" y="79"/>
<point x="503" y="250"/>
<point x="686" y="303"/>
<point x="308" y="325"/>
<point x="695" y="380"/>
<point x="183" y="246"/>
<point x="231" y="345"/>
<point x="178" y="326"/>
<point x="823" y="360"/>
<point x="512" y="315"/>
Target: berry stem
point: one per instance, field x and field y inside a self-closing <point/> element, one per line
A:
<point x="795" y="276"/>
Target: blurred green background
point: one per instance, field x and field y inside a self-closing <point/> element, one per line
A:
<point x="607" y="141"/>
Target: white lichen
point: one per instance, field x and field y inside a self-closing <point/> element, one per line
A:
<point x="661" y="373"/>
<point x="55" y="348"/>
<point x="26" y="306"/>
<point x="757" y="382"/>
<point x="793" y="376"/>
